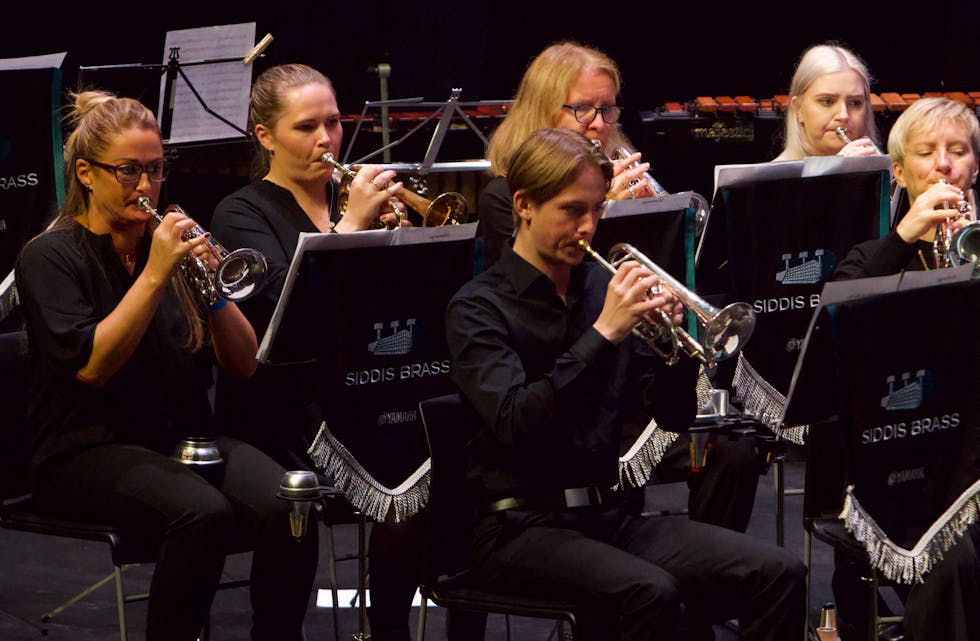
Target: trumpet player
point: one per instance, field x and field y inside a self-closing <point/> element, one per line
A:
<point x="934" y="148"/>
<point x="829" y="110"/>
<point x="543" y="352"/>
<point x="567" y="85"/>
<point x="118" y="349"/>
<point x="294" y="115"/>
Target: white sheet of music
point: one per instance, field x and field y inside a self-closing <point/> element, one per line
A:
<point x="44" y="61"/>
<point x="372" y="238"/>
<point x="224" y="86"/>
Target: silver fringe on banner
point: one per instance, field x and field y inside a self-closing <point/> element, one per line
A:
<point x="636" y="466"/>
<point x="911" y="566"/>
<point x="370" y="497"/>
<point x="763" y="401"/>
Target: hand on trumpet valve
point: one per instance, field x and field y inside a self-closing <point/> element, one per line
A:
<point x="172" y="242"/>
<point x="942" y="206"/>
<point x="634" y="294"/>
<point x="628" y="179"/>
<point x="371" y="196"/>
<point x="863" y="146"/>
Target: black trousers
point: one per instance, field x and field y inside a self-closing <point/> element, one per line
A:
<point x="140" y="490"/>
<point x="637" y="571"/>
<point x="945" y="606"/>
<point x="723" y="493"/>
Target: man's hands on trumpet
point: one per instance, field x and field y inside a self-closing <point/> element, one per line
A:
<point x="634" y="295"/>
<point x="372" y="196"/>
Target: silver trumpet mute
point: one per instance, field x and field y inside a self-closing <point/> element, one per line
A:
<point x="302" y="489"/>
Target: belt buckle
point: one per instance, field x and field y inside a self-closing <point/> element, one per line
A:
<point x="582" y="497"/>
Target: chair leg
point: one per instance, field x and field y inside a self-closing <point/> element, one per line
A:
<point x="779" y="483"/>
<point x="332" y="576"/>
<point x="807" y="552"/>
<point x="420" y="632"/>
<point x="871" y="594"/>
<point x="120" y="602"/>
<point x="362" y="634"/>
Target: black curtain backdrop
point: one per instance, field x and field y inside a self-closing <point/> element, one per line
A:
<point x="666" y="51"/>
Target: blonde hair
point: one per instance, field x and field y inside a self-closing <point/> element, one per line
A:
<point x="551" y="159"/>
<point x="931" y="114"/>
<point x="542" y="92"/>
<point x="266" y="104"/>
<point x="818" y="61"/>
<point x="96" y="117"/>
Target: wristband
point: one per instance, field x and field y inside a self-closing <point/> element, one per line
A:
<point x="217" y="306"/>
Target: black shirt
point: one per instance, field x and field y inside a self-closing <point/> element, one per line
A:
<point x="495" y="224"/>
<point x="556" y="400"/>
<point x="884" y="256"/>
<point x="69" y="279"/>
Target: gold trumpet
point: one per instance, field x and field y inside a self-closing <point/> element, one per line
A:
<point x="448" y="208"/>
<point x="725" y="332"/>
<point x="240" y="274"/>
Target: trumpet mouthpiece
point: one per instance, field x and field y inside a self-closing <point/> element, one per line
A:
<point x="842" y="134"/>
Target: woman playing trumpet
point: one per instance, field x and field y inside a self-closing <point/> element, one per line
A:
<point x="294" y="115"/>
<point x="829" y="106"/>
<point x="120" y="362"/>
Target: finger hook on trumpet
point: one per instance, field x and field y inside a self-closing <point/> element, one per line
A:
<point x="724" y="332"/>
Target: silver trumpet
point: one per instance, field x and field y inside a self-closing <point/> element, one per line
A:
<point x="655" y="187"/>
<point x="952" y="249"/>
<point x="240" y="274"/>
<point x="842" y="134"/>
<point x="725" y="332"/>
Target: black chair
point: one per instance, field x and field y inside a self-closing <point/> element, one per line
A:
<point x="446" y="580"/>
<point x="17" y="511"/>
<point x="823" y="498"/>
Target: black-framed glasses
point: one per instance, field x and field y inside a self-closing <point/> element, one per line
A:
<point x="585" y="114"/>
<point x="129" y="173"/>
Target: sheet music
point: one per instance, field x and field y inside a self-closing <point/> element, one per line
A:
<point x="372" y="238"/>
<point x="735" y="175"/>
<point x="224" y="86"/>
<point x="44" y="61"/>
<point x="633" y="206"/>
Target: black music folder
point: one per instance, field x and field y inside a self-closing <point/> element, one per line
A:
<point x="775" y="233"/>
<point x="369" y="309"/>
<point x="894" y="359"/>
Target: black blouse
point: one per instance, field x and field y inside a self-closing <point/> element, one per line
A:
<point x="69" y="279"/>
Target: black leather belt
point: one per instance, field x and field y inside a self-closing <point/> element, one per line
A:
<point x="556" y="499"/>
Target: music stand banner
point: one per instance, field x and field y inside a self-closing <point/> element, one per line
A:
<point x="908" y="406"/>
<point x="31" y="178"/>
<point x="380" y="341"/>
<point x="773" y="243"/>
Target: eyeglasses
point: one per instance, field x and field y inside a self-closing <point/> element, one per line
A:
<point x="585" y="114"/>
<point x="129" y="173"/>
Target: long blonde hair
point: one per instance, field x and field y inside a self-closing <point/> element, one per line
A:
<point x="815" y="62"/>
<point x="96" y="117"/>
<point x="542" y="91"/>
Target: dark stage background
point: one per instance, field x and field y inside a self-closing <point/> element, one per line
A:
<point x="667" y="51"/>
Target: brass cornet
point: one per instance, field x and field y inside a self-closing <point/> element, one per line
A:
<point x="842" y="134"/>
<point x="952" y="249"/>
<point x="240" y="274"/>
<point x="725" y="332"/>
<point x="448" y="208"/>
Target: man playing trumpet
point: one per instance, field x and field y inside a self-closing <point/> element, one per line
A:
<point x="543" y="352"/>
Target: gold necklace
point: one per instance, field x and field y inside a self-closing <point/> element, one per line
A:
<point x="923" y="259"/>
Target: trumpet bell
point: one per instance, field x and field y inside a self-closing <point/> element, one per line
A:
<point x="448" y="208"/>
<point x="965" y="244"/>
<point x="727" y="332"/>
<point x="241" y="274"/>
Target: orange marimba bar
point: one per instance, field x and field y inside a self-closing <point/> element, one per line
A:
<point x="888" y="101"/>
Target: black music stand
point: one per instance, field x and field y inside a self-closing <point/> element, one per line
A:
<point x="902" y="387"/>
<point x="775" y="233"/>
<point x="369" y="309"/>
